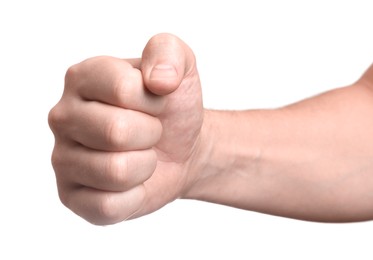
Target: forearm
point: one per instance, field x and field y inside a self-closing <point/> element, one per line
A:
<point x="311" y="160"/>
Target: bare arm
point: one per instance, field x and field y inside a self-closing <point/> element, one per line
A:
<point x="311" y="160"/>
<point x="132" y="136"/>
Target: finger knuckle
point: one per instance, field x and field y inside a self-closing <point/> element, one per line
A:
<point x="120" y="88"/>
<point x="56" y="160"/>
<point x="116" y="170"/>
<point x="76" y="74"/>
<point x="64" y="196"/>
<point x="116" y="132"/>
<point x="57" y="118"/>
<point x="72" y="75"/>
<point x="108" y="209"/>
<point x="124" y="86"/>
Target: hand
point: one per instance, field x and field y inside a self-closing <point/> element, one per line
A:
<point x="126" y="132"/>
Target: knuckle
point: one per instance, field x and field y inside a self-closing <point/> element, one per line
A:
<point x="108" y="209"/>
<point x="124" y="86"/>
<point x="64" y="196"/>
<point x="116" y="170"/>
<point x="72" y="75"/>
<point x="60" y="165"/>
<point x="119" y="87"/>
<point x="56" y="160"/>
<point x="111" y="132"/>
<point x="72" y="71"/>
<point x="116" y="132"/>
<point x="76" y="74"/>
<point x="64" y="191"/>
<point x="57" y="118"/>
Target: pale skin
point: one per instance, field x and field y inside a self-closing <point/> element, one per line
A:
<point x="132" y="135"/>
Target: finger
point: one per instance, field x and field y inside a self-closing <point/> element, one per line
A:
<point x="103" y="207"/>
<point x="112" y="81"/>
<point x="166" y="60"/>
<point x="78" y="166"/>
<point x="104" y="127"/>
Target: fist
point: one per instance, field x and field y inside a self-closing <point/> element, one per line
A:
<point x="127" y="131"/>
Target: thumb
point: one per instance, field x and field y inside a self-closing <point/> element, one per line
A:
<point x="166" y="61"/>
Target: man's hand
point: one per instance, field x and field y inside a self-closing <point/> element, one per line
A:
<point x="126" y="132"/>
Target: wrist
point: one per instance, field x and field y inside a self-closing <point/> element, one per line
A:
<point x="227" y="154"/>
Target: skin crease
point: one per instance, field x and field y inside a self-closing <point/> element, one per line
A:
<point x="132" y="135"/>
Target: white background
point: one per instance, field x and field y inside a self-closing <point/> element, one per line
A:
<point x="251" y="54"/>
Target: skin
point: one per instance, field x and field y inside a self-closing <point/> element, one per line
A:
<point x="132" y="135"/>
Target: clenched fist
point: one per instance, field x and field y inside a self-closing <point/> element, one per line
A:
<point x="127" y="132"/>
